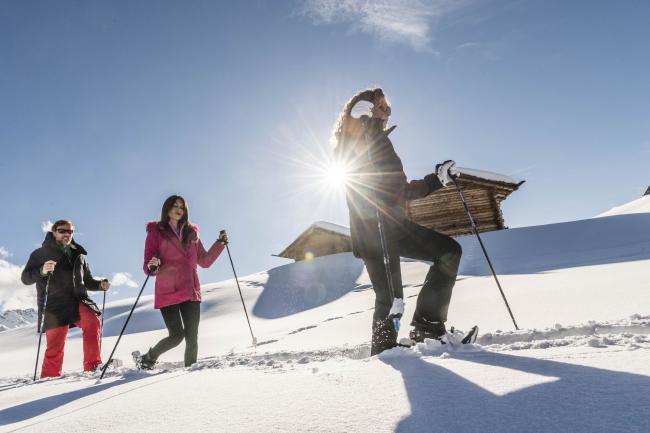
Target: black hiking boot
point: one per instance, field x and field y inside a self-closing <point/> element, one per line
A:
<point x="384" y="337"/>
<point x="422" y="331"/>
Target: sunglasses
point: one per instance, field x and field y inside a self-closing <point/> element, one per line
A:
<point x="64" y="231"/>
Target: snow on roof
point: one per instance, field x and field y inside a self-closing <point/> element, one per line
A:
<point x="640" y="205"/>
<point x="487" y="175"/>
<point x="331" y="227"/>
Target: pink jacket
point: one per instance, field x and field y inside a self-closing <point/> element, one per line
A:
<point x="177" y="280"/>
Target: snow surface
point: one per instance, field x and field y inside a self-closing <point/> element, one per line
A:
<point x="640" y="205"/>
<point x="580" y="363"/>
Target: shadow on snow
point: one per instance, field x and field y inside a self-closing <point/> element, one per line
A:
<point x="582" y="399"/>
<point x="307" y="284"/>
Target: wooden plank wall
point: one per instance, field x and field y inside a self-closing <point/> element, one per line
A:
<point x="443" y="210"/>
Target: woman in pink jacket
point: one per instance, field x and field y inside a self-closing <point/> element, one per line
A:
<point x="174" y="248"/>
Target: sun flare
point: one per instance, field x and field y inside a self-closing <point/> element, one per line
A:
<point x="335" y="174"/>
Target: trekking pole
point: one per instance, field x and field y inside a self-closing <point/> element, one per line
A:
<point x="101" y="329"/>
<point x="41" y="321"/>
<point x="152" y="270"/>
<point x="487" y="257"/>
<point x="382" y="236"/>
<point x="222" y="232"/>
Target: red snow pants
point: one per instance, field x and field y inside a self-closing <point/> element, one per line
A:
<point x="53" y="360"/>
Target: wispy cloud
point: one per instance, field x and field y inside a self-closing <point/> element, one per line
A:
<point x="123" y="279"/>
<point x="404" y="21"/>
<point x="13" y="294"/>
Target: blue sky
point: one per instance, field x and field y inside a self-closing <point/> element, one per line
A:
<point x="106" y="108"/>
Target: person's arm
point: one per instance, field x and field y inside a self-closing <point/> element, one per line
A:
<point x="205" y="259"/>
<point x="391" y="181"/>
<point x="32" y="272"/>
<point x="422" y="187"/>
<point x="151" y="248"/>
<point x="91" y="282"/>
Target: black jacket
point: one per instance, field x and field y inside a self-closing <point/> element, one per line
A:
<point x="69" y="283"/>
<point x="377" y="179"/>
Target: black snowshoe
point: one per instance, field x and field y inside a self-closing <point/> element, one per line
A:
<point x="418" y="335"/>
<point x="452" y="337"/>
<point x="143" y="362"/>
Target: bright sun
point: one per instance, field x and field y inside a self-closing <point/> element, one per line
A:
<point x="335" y="175"/>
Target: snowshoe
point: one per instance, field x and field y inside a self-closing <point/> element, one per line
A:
<point x="470" y="337"/>
<point x="143" y="362"/>
<point x="113" y="363"/>
<point x="419" y="335"/>
<point x="452" y="337"/>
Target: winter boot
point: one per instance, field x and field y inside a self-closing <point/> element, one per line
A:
<point x="143" y="362"/>
<point x="424" y="329"/>
<point x="384" y="336"/>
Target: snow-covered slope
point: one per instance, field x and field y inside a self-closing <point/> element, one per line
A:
<point x="640" y="205"/>
<point x="581" y="363"/>
<point x="16" y="318"/>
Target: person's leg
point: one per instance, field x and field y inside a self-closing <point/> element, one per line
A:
<point x="384" y="335"/>
<point x="425" y="244"/>
<point x="191" y="313"/>
<point x="173" y="322"/>
<point x="53" y="358"/>
<point x="89" y="324"/>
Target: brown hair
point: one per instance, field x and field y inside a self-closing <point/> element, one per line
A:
<point x="345" y="122"/>
<point x="60" y="223"/>
<point x="188" y="231"/>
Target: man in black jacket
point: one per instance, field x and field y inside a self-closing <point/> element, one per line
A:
<point x="376" y="181"/>
<point x="62" y="278"/>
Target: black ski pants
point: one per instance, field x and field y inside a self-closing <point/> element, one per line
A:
<point x="182" y="321"/>
<point x="420" y="243"/>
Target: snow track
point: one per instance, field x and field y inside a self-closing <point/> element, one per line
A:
<point x="632" y="333"/>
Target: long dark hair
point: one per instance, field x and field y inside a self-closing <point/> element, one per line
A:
<point x="345" y="118"/>
<point x="189" y="233"/>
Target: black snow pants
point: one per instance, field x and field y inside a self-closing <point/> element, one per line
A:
<point x="182" y="321"/>
<point x="420" y="243"/>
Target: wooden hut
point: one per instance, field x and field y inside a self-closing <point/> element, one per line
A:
<point x="483" y="191"/>
<point x="442" y="210"/>
<point x="320" y="239"/>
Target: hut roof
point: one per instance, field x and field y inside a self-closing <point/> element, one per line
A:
<point x="488" y="176"/>
<point x="321" y="238"/>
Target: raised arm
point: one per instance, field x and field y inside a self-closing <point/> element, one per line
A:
<point x="205" y="259"/>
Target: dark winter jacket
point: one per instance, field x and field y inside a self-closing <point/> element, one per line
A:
<point x="69" y="283"/>
<point x="377" y="178"/>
